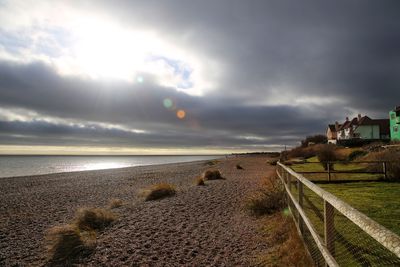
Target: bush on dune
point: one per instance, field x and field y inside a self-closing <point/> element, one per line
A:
<point x="159" y="191"/>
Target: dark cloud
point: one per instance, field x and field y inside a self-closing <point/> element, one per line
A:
<point x="343" y="55"/>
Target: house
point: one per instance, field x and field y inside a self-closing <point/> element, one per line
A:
<point x="363" y="128"/>
<point x="394" y="117"/>
<point x="331" y="132"/>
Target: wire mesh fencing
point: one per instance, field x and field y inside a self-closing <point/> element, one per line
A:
<point x="334" y="233"/>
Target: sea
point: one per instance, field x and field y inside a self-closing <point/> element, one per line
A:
<point x="11" y="166"/>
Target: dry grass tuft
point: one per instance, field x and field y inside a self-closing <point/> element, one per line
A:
<point x="285" y="245"/>
<point x="212" y="175"/>
<point x="268" y="199"/>
<point x="116" y="203"/>
<point x="159" y="191"/>
<point x="65" y="244"/>
<point x="239" y="167"/>
<point x="200" y="181"/>
<point x="88" y="219"/>
<point x="211" y="162"/>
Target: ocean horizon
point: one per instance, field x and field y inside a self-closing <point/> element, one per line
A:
<point x="27" y="165"/>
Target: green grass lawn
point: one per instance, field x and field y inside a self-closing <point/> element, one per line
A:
<point x="313" y="165"/>
<point x="377" y="199"/>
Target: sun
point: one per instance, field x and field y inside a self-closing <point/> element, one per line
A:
<point x="103" y="50"/>
<point x="106" y="51"/>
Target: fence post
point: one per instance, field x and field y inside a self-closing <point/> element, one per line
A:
<point x="329" y="227"/>
<point x="299" y="220"/>
<point x="384" y="170"/>
<point x="328" y="164"/>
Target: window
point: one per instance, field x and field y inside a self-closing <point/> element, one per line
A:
<point x="392" y="116"/>
<point x="395" y="128"/>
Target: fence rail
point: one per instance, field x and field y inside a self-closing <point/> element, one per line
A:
<point x="330" y="168"/>
<point x="383" y="245"/>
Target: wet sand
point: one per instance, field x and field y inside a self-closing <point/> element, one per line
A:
<point x="200" y="226"/>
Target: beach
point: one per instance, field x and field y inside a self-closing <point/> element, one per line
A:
<point x="200" y="226"/>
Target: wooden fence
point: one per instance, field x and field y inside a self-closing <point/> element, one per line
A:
<point x="330" y="170"/>
<point x="331" y="205"/>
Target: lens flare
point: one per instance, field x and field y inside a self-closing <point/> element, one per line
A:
<point x="140" y="79"/>
<point x="167" y="103"/>
<point x="181" y="114"/>
<point x="286" y="212"/>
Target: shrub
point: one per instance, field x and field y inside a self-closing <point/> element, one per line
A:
<point x="303" y="152"/>
<point x="315" y="139"/>
<point x="159" y="191"/>
<point x="325" y="154"/>
<point x="356" y="154"/>
<point x="393" y="165"/>
<point x="273" y="162"/>
<point x="116" y="203"/>
<point x="212" y="175"/>
<point x="64" y="244"/>
<point x="392" y="157"/>
<point x="93" y="218"/>
<point x="200" y="181"/>
<point x="239" y="167"/>
<point x="269" y="199"/>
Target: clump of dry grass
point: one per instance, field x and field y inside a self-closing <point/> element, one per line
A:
<point x="68" y="242"/>
<point x="200" y="181"/>
<point x="239" y="167"/>
<point x="65" y="244"/>
<point x="159" y="191"/>
<point x="116" y="203"/>
<point x="212" y="175"/>
<point x="285" y="245"/>
<point x="211" y="162"/>
<point x="268" y="199"/>
<point x="94" y="218"/>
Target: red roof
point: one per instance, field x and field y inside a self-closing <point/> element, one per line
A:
<point x="383" y="124"/>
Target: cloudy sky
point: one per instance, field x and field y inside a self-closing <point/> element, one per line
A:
<point x="198" y="76"/>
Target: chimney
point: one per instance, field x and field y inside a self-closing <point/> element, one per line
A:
<point x="347" y="118"/>
<point x="336" y="125"/>
<point x="359" y="117"/>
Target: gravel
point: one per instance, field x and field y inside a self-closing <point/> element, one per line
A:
<point x="200" y="226"/>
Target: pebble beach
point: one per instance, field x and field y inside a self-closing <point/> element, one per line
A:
<point x="199" y="226"/>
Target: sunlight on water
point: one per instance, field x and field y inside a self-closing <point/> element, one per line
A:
<point x="31" y="165"/>
<point x="104" y="165"/>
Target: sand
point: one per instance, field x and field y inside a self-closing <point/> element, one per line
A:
<point x="200" y="226"/>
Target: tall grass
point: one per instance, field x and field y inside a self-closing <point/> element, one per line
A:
<point x="268" y="199"/>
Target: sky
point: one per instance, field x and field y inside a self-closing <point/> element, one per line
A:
<point x="190" y="77"/>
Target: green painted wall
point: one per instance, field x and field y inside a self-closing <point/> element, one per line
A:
<point x="368" y="131"/>
<point x="394" y="126"/>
